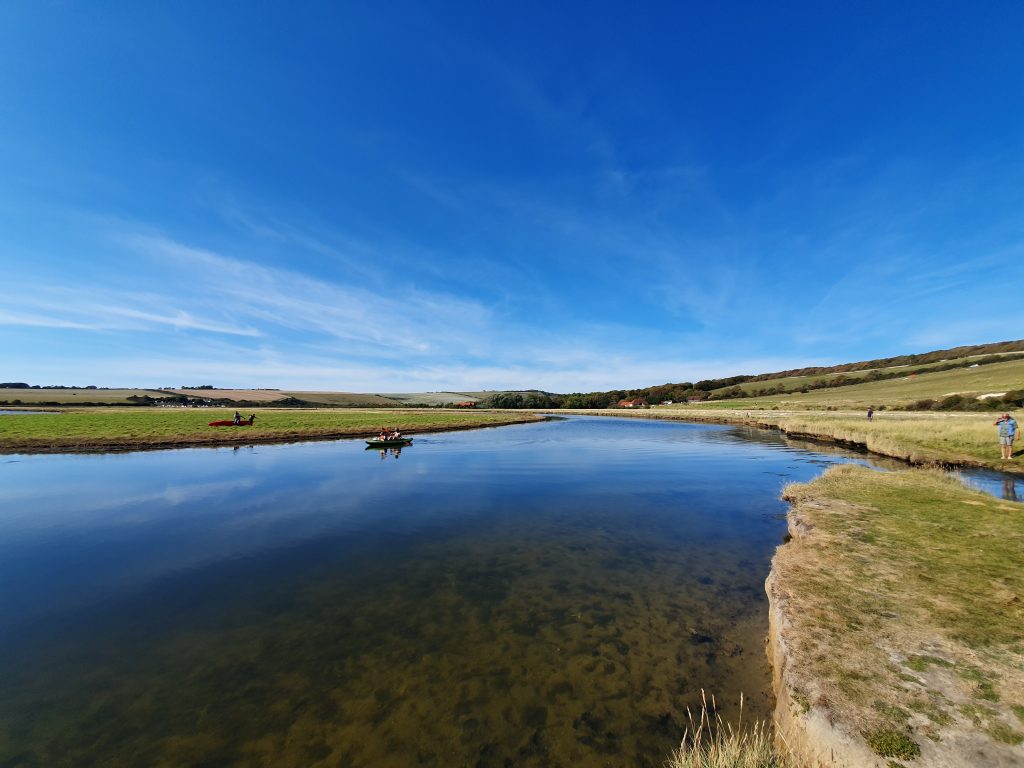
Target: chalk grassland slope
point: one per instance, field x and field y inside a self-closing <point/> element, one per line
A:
<point x="76" y="395"/>
<point x="792" y="384"/>
<point x="346" y="399"/>
<point x="131" y="428"/>
<point x="250" y="395"/>
<point x="985" y="379"/>
<point x="898" y="606"/>
<point x="430" y="398"/>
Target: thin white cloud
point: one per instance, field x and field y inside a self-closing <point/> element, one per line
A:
<point x="98" y="309"/>
<point x="40" y="321"/>
<point x="409" y="321"/>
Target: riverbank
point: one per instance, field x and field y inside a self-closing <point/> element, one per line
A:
<point x="895" y="615"/>
<point x="132" y="429"/>
<point x="946" y="439"/>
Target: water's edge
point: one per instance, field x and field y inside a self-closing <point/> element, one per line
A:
<point x="803" y="728"/>
<point x="959" y="462"/>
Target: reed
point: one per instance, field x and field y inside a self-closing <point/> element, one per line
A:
<point x="709" y="742"/>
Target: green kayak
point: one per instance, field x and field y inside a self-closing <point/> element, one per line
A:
<point x="376" y="442"/>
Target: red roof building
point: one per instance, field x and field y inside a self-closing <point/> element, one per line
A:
<point x="640" y="402"/>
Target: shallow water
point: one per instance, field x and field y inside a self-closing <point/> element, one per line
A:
<point x="535" y="595"/>
<point x="1002" y="485"/>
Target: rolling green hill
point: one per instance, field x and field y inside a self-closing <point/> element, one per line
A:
<point x="969" y="383"/>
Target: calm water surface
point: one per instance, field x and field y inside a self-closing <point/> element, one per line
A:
<point x="540" y="595"/>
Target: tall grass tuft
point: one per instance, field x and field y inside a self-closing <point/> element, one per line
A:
<point x="711" y="743"/>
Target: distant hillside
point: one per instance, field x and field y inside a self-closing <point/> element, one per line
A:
<point x="805" y="380"/>
<point x="975" y="387"/>
<point x="44" y="396"/>
<point x="980" y="376"/>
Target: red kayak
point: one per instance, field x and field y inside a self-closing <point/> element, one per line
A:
<point x="230" y="422"/>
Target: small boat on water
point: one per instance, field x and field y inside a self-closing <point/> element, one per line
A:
<point x="376" y="442"/>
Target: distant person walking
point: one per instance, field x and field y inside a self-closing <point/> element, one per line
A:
<point x="237" y="419"/>
<point x="1007" y="434"/>
<point x="871" y="412"/>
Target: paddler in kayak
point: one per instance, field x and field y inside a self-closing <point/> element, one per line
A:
<point x="396" y="435"/>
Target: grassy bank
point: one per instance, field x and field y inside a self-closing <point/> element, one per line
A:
<point x="904" y="600"/>
<point x="929" y="438"/>
<point x="105" y="429"/>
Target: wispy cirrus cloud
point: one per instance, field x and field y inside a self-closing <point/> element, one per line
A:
<point x="99" y="309"/>
<point x="405" y="321"/>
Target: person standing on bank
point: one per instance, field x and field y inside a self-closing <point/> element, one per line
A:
<point x="1007" y="434"/>
<point x="871" y="412"/>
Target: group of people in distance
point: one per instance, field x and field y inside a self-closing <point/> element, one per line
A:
<point x="386" y="434"/>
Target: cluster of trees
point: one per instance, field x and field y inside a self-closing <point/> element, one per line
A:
<point x="531" y="399"/>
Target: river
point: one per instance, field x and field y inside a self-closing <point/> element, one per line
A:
<point x="551" y="594"/>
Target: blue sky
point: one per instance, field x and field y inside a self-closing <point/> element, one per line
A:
<point x="570" y="196"/>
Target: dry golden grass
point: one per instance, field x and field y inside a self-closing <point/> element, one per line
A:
<point x="711" y="743"/>
<point x="929" y="437"/>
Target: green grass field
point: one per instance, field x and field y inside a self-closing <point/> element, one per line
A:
<point x="117" y="428"/>
<point x="903" y="594"/>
